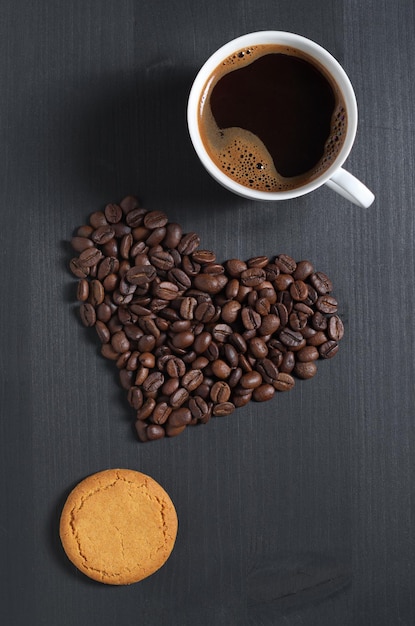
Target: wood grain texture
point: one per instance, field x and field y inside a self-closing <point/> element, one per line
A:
<point x="298" y="511"/>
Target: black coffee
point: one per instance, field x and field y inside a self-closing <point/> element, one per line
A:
<point x="271" y="119"/>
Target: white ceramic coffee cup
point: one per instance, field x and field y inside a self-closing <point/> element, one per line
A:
<point x="334" y="176"/>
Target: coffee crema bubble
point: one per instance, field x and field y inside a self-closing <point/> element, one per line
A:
<point x="193" y="338"/>
<point x="271" y="118"/>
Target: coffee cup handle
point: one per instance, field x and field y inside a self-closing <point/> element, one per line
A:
<point x="351" y="188"/>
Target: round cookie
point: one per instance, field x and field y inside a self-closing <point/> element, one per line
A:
<point x="118" y="526"/>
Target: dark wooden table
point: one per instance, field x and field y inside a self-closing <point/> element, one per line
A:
<point x="295" y="511"/>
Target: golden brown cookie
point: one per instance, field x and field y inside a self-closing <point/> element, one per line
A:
<point x="118" y="526"/>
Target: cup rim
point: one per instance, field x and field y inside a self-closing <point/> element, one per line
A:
<point x="313" y="49"/>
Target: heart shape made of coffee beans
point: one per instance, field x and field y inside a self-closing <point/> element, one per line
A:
<point x="193" y="338"/>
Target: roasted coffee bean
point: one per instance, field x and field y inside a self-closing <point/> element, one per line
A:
<point x="235" y="376"/>
<point x="141" y="429"/>
<point x="187" y="307"/>
<point x="303" y="270"/>
<point x="179" y="397"/>
<point x="155" y="219"/>
<point x="108" y="265"/>
<point x="202" y="342"/>
<point x="162" y="259"/>
<point x="82" y="292"/>
<point x="108" y="352"/>
<point x="251" y="380"/>
<point x="79" y="244"/>
<point x="335" y="329"/>
<point x="326" y="304"/>
<point x="204" y="256"/>
<point x="267" y="369"/>
<point x="175" y="367"/>
<point x="135" y="397"/>
<point x="133" y="362"/>
<point x="126" y="379"/>
<point x="281" y="310"/>
<point x="147" y="359"/>
<point x="192" y="379"/>
<point x="120" y="342"/>
<point x="263" y="305"/>
<point x="135" y="217"/>
<point x="238" y="342"/>
<point x="179" y="326"/>
<point x="183" y="339"/>
<point x="146" y="409"/>
<point x="220" y="369"/>
<point x="290" y="338"/>
<point x="90" y="257"/>
<point x="179" y="278"/>
<point x="252" y="276"/>
<point x="113" y="213"/>
<point x="312" y="296"/>
<point x="96" y="292"/>
<point x="102" y="331"/>
<point x="120" y="229"/>
<point x="298" y="291"/>
<point x="317" y="339"/>
<point x="170" y="386"/>
<point x="319" y="321"/>
<point x="235" y="267"/>
<point x="129" y="203"/>
<point x="206" y="282"/>
<point x="250" y="318"/>
<point x="221" y="332"/>
<point x="328" y="349"/>
<point x="155" y="431"/>
<point x="149" y="326"/>
<point x="173" y="235"/>
<point x="166" y="290"/>
<point x="125" y="245"/>
<point x="284" y="382"/>
<point x="188" y="243"/>
<point x="271" y="271"/>
<point x="308" y="353"/>
<point x="88" y="315"/>
<point x="155" y="237"/>
<point x="78" y="269"/>
<point x="198" y="407"/>
<point x="180" y="417"/>
<point x="263" y="393"/>
<point x="103" y="234"/>
<point x="258" y="347"/>
<point x="205" y="312"/>
<point x="258" y="261"/>
<point x="298" y="320"/>
<point x="286" y="263"/>
<point x="161" y="413"/>
<point x="84" y="231"/>
<point x="269" y="324"/>
<point x="300" y="306"/>
<point x="321" y="283"/>
<point x="153" y="382"/>
<point x="141" y="274"/>
<point x="220" y="391"/>
<point x="230" y="311"/>
<point x="230" y="353"/>
<point x="305" y="370"/>
<point x="212" y="351"/>
<point x="223" y="408"/>
<point x="97" y="219"/>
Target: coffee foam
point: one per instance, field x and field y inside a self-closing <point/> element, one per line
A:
<point x="240" y="154"/>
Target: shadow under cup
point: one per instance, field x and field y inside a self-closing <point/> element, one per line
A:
<point x="232" y="60"/>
